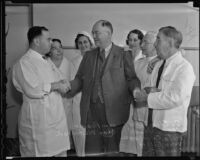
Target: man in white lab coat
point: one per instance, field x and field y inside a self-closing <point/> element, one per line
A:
<point x="42" y="121"/>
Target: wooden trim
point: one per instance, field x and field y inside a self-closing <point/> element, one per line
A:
<point x="185" y="48"/>
<point x="190" y="48"/>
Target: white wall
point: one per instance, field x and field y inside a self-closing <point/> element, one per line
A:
<point x="65" y="20"/>
<point x="16" y="45"/>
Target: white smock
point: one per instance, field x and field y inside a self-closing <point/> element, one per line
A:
<point x="42" y="121"/>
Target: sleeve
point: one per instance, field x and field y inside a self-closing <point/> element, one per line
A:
<point x="26" y="78"/>
<point x="129" y="69"/>
<point x="175" y="92"/>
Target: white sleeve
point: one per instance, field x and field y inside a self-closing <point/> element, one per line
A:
<point x="25" y="76"/>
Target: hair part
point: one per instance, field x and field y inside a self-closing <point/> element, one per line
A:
<point x="34" y="32"/>
<point x="173" y="33"/>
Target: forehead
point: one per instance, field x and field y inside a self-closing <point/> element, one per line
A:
<point x="160" y="35"/>
<point x="133" y="35"/>
<point x="83" y="38"/>
<point x="98" y="27"/>
<point x="148" y="38"/>
<point x="56" y="44"/>
<point x="45" y="34"/>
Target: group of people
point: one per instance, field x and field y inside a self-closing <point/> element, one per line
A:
<point x="107" y="101"/>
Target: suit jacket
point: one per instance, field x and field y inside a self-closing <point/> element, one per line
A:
<point x="118" y="81"/>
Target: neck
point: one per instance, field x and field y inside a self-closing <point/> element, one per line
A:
<point x="172" y="52"/>
<point x="135" y="51"/>
<point x="36" y="49"/>
<point x="106" y="45"/>
<point x="151" y="54"/>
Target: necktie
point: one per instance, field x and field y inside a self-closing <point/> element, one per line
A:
<point x="102" y="55"/>
<point x="157" y="83"/>
<point x="160" y="73"/>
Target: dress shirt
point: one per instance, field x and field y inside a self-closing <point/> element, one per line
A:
<point x="107" y="50"/>
<point x="170" y="105"/>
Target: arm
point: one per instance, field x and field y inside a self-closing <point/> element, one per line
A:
<point x="132" y="79"/>
<point x="77" y="83"/>
<point x="176" y="91"/>
<point x="26" y="80"/>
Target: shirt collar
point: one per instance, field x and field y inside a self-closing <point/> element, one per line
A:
<point x="139" y="56"/>
<point x="150" y="58"/>
<point x="170" y="59"/>
<point x="107" y="50"/>
<point x="36" y="54"/>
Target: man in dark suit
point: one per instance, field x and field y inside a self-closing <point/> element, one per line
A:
<point x="107" y="79"/>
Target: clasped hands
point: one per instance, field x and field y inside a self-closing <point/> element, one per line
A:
<point x="140" y="95"/>
<point x="62" y="86"/>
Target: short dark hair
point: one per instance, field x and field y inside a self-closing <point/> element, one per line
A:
<point x="57" y="40"/>
<point x="138" y="32"/>
<point x="34" y="32"/>
<point x="172" y="32"/>
<point x="106" y="23"/>
<point x="77" y="38"/>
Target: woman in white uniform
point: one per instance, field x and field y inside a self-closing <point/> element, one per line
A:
<point x="83" y="43"/>
<point x="130" y="137"/>
<point x="61" y="66"/>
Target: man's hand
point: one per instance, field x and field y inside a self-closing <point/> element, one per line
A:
<point x="62" y="86"/>
<point x="140" y="96"/>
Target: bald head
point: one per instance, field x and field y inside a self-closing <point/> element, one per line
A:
<point x="147" y="45"/>
<point x="150" y="36"/>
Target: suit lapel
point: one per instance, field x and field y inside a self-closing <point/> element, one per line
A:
<point x="110" y="57"/>
<point x="94" y="62"/>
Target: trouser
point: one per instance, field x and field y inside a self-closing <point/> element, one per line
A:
<point x="161" y="143"/>
<point x="101" y="139"/>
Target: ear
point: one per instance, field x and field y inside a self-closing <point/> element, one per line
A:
<point x="36" y="41"/>
<point x="171" y="42"/>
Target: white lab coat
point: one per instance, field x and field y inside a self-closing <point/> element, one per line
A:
<point x="78" y="131"/>
<point x="42" y="121"/>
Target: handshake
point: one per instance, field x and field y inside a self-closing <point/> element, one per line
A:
<point x="141" y="95"/>
<point x="62" y="86"/>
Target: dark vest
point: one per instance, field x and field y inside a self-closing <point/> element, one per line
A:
<point x="97" y="83"/>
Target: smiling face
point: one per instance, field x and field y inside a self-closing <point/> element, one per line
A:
<point x="133" y="41"/>
<point x="56" y="50"/>
<point x="84" y="44"/>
